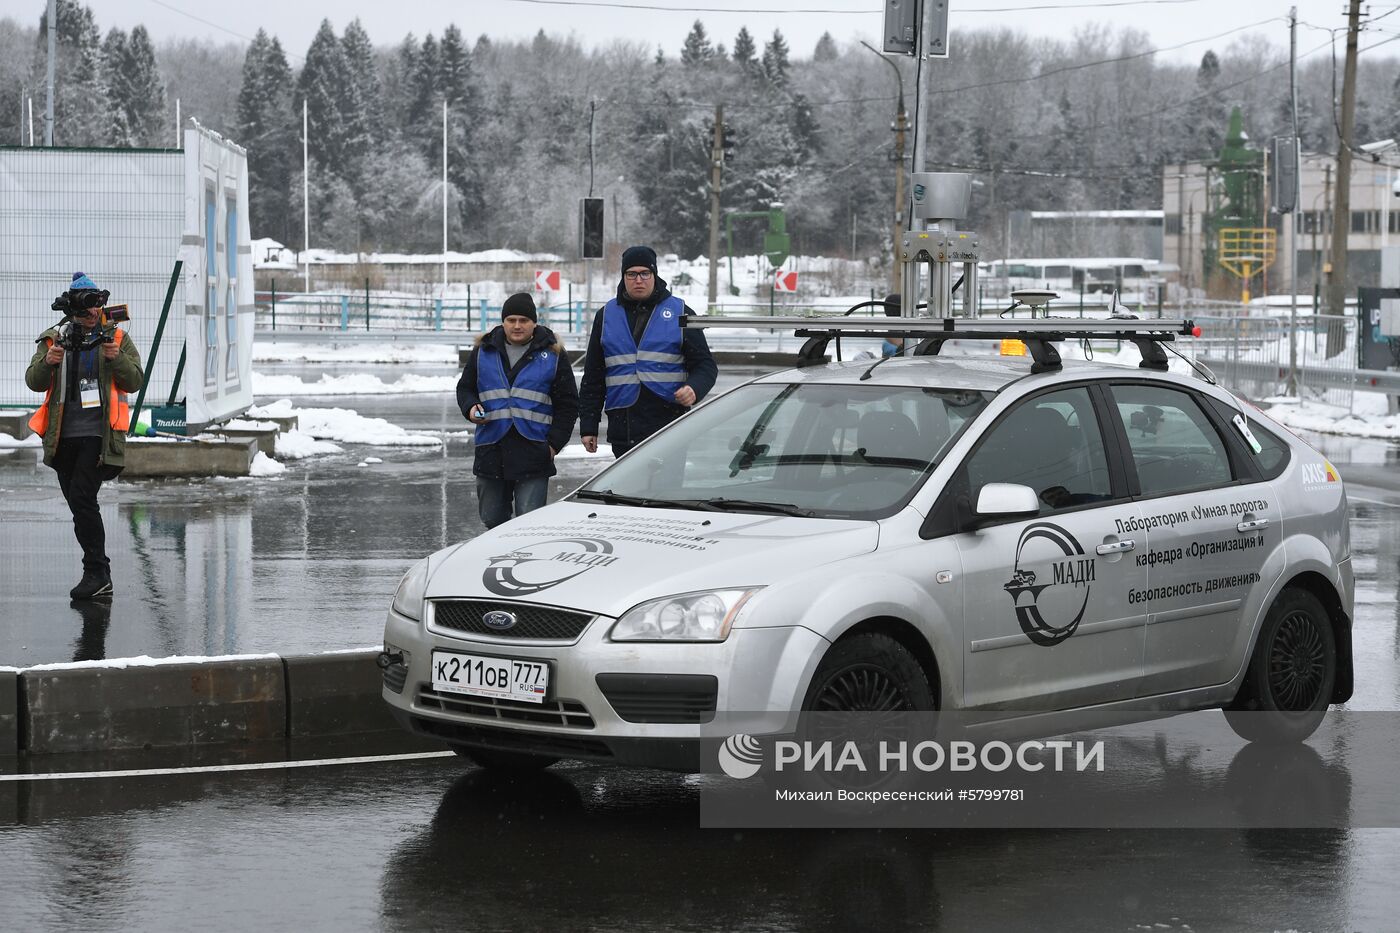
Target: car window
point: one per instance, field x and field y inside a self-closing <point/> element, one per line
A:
<point x="1273" y="454"/>
<point x="1050" y="443"/>
<point x="1174" y="445"/>
<point x="838" y="451"/>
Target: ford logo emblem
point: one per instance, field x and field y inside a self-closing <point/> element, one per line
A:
<point x="499" y="620"/>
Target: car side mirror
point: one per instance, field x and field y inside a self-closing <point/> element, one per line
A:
<point x="1004" y="501"/>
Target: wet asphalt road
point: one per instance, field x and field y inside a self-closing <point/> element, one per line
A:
<point x="431" y="844"/>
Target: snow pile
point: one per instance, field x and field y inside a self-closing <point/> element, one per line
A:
<point x="1364" y="420"/>
<point x="10" y="442"/>
<point x="243" y="424"/>
<point x="351" y="384"/>
<point x="576" y="452"/>
<point x="263" y="465"/>
<point x="272" y="352"/>
<point x="297" y="445"/>
<point x="119" y="664"/>
<point x="345" y="425"/>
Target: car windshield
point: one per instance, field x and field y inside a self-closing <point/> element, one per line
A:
<point x="832" y="451"/>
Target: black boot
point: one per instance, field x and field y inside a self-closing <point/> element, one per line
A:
<point x="93" y="585"/>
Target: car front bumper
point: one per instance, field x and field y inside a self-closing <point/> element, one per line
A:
<point x="643" y="704"/>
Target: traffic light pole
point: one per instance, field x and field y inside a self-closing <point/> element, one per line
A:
<point x="716" y="176"/>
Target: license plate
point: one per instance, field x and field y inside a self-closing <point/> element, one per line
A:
<point x="481" y="676"/>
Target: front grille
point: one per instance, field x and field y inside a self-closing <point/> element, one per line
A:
<point x="674" y="698"/>
<point x="568" y="713"/>
<point x="540" y="743"/>
<point x="545" y="623"/>
<point x="395" y="675"/>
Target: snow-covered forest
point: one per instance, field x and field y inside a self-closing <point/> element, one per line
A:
<point x="1046" y="125"/>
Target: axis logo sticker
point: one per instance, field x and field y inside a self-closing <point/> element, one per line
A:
<point x="535" y="567"/>
<point x="1050" y="611"/>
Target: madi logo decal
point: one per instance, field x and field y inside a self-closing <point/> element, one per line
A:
<point x="537" y="567"/>
<point x="1058" y="598"/>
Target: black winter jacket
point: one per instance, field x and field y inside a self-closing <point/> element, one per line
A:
<point x="651" y="413"/>
<point x="514" y="457"/>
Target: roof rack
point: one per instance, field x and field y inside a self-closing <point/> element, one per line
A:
<point x="1038" y="334"/>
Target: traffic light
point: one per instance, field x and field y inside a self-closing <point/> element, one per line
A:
<point x="591" y="228"/>
<point x="727" y="142"/>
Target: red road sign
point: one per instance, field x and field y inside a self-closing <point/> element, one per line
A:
<point x="785" y="281"/>
<point x="547" y="280"/>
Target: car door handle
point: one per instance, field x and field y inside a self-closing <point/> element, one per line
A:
<point x="1117" y="547"/>
<point x="1253" y="524"/>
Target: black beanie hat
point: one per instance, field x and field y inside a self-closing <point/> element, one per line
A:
<point x="639" y="256"/>
<point x="519" y="305"/>
<point x="892" y="303"/>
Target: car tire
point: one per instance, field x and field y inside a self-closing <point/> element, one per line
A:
<point x="1292" y="673"/>
<point x="869" y="672"/>
<point x="505" y="762"/>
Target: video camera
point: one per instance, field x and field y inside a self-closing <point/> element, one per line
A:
<point x="75" y="302"/>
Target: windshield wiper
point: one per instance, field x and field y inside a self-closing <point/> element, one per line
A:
<point x="617" y="498"/>
<point x="752" y="505"/>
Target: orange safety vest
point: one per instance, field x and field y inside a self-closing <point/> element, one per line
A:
<point x="118" y="411"/>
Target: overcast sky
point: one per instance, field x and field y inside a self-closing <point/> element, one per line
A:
<point x="666" y="22"/>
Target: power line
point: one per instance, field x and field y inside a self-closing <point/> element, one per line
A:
<point x="1105" y="61"/>
<point x="655" y="8"/>
<point x="214" y="25"/>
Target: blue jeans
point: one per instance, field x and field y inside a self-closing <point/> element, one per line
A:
<point x="494" y="497"/>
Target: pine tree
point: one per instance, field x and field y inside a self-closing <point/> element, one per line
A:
<point x="697" y="51"/>
<point x="424" y="109"/>
<point x="398" y="91"/>
<point x="744" y="49"/>
<point x="826" y="49"/>
<point x="775" y="60"/>
<point x="145" y="91"/>
<point x="114" y="52"/>
<point x="457" y="84"/>
<point x="321" y="84"/>
<point x="365" y="123"/>
<point x="806" y="131"/>
<point x="266" y="129"/>
<point x="1208" y="118"/>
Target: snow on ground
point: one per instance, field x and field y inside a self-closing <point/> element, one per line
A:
<point x="344" y="425"/>
<point x="576" y="452"/>
<point x="351" y="384"/>
<point x="298" y="445"/>
<point x="1366" y="419"/>
<point x="10" y="442"/>
<point x="268" y="350"/>
<point x="243" y="424"/>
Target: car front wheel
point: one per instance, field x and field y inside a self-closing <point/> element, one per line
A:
<point x="869" y="672"/>
<point x="1291" y="674"/>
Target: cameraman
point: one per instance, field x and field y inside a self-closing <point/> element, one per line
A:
<point x="85" y="366"/>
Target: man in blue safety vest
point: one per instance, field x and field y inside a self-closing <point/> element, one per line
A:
<point x="642" y="367"/>
<point x="518" y="389"/>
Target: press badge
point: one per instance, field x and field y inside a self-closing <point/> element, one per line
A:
<point x="87" y="392"/>
<point x="1247" y="434"/>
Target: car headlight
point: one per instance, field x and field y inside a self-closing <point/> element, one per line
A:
<point x="408" y="598"/>
<point x="704" y="616"/>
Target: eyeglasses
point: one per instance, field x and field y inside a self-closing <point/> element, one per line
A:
<point x="636" y="276"/>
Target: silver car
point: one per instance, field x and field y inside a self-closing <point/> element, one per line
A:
<point x="927" y="533"/>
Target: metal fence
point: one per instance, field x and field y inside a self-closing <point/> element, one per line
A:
<point x="1251" y="355"/>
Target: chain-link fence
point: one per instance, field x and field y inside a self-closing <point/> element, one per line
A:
<point x="116" y="215"/>
<point x="1251" y="355"/>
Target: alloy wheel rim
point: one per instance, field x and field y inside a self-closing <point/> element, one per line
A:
<point x="1296" y="663"/>
<point x="862" y="688"/>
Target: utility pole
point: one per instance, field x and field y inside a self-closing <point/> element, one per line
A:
<point x="1328" y="221"/>
<point x="901" y="126"/>
<point x="716" y="177"/>
<point x="1337" y="284"/>
<point x="305" y="197"/>
<point x="444" y="201"/>
<point x="53" y="51"/>
<point x="1293" y="217"/>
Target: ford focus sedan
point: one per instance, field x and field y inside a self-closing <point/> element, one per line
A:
<point x="926" y="533"/>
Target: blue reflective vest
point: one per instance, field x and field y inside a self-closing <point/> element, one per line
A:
<point x="526" y="405"/>
<point x="656" y="363"/>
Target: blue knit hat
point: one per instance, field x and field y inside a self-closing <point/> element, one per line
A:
<point x="81" y="282"/>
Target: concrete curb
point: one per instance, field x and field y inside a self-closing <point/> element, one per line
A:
<point x="9" y="713"/>
<point x="178" y="703"/>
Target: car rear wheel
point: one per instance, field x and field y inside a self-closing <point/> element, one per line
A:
<point x="1291" y="674"/>
<point x="493" y="759"/>
<point x="869" y="672"/>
